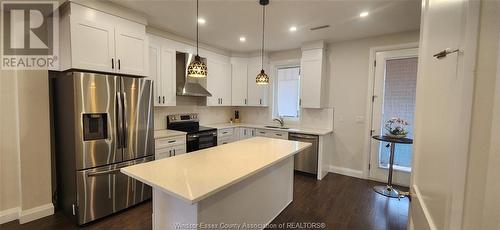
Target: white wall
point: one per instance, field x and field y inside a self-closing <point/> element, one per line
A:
<point x="9" y="146"/>
<point x="25" y="150"/>
<point x="482" y="119"/>
<point x="348" y="68"/>
<point x="207" y="115"/>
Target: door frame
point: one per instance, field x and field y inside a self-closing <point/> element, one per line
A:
<point x="369" y="104"/>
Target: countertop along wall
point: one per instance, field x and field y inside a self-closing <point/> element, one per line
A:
<point x="348" y="64"/>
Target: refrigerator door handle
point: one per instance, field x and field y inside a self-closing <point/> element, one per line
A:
<point x="119" y="115"/>
<point x="125" y="120"/>
<point x="114" y="171"/>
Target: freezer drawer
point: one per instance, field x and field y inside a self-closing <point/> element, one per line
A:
<point x="105" y="190"/>
<point x="307" y="159"/>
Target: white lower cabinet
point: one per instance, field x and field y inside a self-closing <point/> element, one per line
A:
<point x="272" y="134"/>
<point x="246" y="133"/>
<point x="170" y="146"/>
<point x="227" y="135"/>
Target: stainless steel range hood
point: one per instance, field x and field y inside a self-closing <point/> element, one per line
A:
<point x="187" y="86"/>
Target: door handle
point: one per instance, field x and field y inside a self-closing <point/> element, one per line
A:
<point x="260" y="101"/>
<point x="103" y="173"/>
<point x="163" y="99"/>
<point x="159" y="99"/>
<point x="300" y="102"/>
<point x="119" y="64"/>
<point x="125" y="126"/>
<point x="174" y="152"/>
<point x="169" y="153"/>
<point x="245" y="101"/>
<point x="119" y="118"/>
<point x="112" y="63"/>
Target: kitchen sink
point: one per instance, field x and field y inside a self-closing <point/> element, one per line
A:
<point x="276" y="127"/>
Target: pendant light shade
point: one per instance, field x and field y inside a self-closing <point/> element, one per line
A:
<point x="262" y="78"/>
<point x="197" y="68"/>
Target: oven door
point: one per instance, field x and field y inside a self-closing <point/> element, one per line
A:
<point x="201" y="140"/>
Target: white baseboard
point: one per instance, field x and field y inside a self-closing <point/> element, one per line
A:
<point x="346" y="171"/>
<point x="36" y="213"/>
<point x="9" y="215"/>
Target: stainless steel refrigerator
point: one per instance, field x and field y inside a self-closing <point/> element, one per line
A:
<point x="101" y="123"/>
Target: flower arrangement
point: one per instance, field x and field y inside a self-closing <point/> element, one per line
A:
<point x="396" y="127"/>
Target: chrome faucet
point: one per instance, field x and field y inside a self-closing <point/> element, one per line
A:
<point x="280" y="120"/>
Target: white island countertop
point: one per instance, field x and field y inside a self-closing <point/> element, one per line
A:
<point x="304" y="130"/>
<point x="197" y="175"/>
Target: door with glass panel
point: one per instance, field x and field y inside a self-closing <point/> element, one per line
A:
<point x="394" y="92"/>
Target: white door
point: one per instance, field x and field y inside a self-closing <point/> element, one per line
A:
<point x="214" y="82"/>
<point x="257" y="94"/>
<point x="92" y="46"/>
<point x="131" y="51"/>
<point x="310" y="78"/>
<point x="167" y="75"/>
<point x="154" y="72"/>
<point x="225" y="88"/>
<point x="239" y="82"/>
<point x="443" y="113"/>
<point x="393" y="96"/>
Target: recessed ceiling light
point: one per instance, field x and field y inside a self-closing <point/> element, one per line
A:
<point x="201" y="21"/>
<point x="293" y="29"/>
<point x="364" y="14"/>
<point x="242" y="39"/>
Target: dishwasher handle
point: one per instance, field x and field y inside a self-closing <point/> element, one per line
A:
<point x="302" y="136"/>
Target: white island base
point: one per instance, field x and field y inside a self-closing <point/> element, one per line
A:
<point x="249" y="204"/>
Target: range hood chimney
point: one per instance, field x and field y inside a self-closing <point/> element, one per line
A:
<point x="187" y="86"/>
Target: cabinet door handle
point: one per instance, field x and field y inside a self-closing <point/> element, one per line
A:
<point x="245" y="101"/>
<point x="245" y="132"/>
<point x="163" y="99"/>
<point x="159" y="99"/>
<point x="169" y="153"/>
<point x="112" y="63"/>
<point x="171" y="141"/>
<point x="260" y="101"/>
<point x="119" y="64"/>
<point x="174" y="152"/>
<point x="300" y="102"/>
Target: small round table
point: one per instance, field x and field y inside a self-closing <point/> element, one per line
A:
<point x="388" y="190"/>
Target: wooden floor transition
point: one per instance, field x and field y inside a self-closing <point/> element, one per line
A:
<point x="340" y="202"/>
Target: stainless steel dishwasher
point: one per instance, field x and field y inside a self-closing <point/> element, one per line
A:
<point x="307" y="160"/>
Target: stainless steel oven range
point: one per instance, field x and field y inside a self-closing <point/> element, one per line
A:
<point x="198" y="137"/>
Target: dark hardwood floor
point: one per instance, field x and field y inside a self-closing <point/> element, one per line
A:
<point x="340" y="202"/>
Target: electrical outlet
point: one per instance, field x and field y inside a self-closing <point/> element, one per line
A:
<point x="360" y="119"/>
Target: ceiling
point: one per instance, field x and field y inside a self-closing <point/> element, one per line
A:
<point x="227" y="20"/>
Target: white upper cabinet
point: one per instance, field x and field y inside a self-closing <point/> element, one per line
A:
<point x="239" y="82"/>
<point x="93" y="46"/>
<point x="97" y="41"/>
<point x="131" y="51"/>
<point x="257" y="94"/>
<point x="313" y="81"/>
<point x="162" y="71"/>
<point x="218" y="81"/>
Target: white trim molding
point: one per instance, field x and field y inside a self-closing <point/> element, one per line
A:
<point x="9" y="215"/>
<point x="346" y="171"/>
<point x="36" y="213"/>
<point x="369" y="105"/>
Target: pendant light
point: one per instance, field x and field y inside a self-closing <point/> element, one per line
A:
<point x="262" y="78"/>
<point x="197" y="68"/>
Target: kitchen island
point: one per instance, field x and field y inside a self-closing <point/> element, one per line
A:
<point x="241" y="185"/>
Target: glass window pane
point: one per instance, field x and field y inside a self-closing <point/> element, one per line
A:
<point x="399" y="101"/>
<point x="288" y="84"/>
